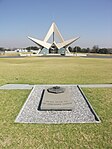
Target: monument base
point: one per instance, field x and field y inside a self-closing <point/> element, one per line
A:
<point x="57" y="102"/>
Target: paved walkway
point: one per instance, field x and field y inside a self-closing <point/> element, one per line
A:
<point x="16" y="86"/>
<point x="96" y="85"/>
<point x="96" y="56"/>
<point x="27" y="86"/>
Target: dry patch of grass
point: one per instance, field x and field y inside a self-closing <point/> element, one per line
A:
<point x="10" y="54"/>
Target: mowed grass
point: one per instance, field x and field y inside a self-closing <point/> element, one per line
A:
<point x="40" y="70"/>
<point x="60" y="136"/>
<point x="53" y="71"/>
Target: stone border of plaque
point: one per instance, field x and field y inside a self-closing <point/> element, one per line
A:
<point x="70" y="106"/>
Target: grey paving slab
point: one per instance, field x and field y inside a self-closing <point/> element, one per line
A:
<point x="16" y="86"/>
<point x="96" y="56"/>
<point x="27" y="86"/>
<point x="96" y="85"/>
<point x="81" y="112"/>
<point x="86" y="85"/>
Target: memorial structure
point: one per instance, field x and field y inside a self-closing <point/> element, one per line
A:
<point x="56" y="98"/>
<point x="53" y="47"/>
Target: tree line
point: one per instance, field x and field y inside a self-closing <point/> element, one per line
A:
<point x="77" y="49"/>
<point x="95" y="49"/>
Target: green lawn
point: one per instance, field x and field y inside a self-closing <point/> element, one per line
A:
<point x="55" y="70"/>
<point x="50" y="71"/>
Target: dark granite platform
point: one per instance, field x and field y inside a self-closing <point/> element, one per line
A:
<point x="60" y="101"/>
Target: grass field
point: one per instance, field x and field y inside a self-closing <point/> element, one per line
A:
<point x="9" y="54"/>
<point x="50" y="71"/>
<point x="55" y="70"/>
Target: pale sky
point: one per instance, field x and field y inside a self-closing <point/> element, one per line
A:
<point x="89" y="19"/>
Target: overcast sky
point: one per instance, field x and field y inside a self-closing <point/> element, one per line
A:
<point x="89" y="19"/>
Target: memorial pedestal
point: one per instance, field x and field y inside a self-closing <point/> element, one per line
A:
<point x="54" y="101"/>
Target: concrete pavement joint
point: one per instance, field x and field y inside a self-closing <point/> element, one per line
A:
<point x="28" y="86"/>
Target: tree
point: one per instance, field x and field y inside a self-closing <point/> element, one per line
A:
<point x="88" y="50"/>
<point x="74" y="49"/>
<point x="77" y="49"/>
<point x="70" y="49"/>
<point x="95" y="49"/>
<point x="103" y="51"/>
<point x="110" y="50"/>
<point x="2" y="49"/>
<point x="32" y="48"/>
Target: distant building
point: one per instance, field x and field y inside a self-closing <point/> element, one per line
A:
<point x="53" y="47"/>
<point x="21" y="50"/>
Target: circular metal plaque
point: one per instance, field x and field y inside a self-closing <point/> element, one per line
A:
<point x="56" y="90"/>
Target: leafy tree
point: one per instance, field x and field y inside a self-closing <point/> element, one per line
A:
<point x="70" y="49"/>
<point x="110" y="50"/>
<point x="32" y="48"/>
<point x="2" y="49"/>
<point x="103" y="51"/>
<point x="74" y="49"/>
<point x="88" y="50"/>
<point x="95" y="49"/>
<point x="77" y="49"/>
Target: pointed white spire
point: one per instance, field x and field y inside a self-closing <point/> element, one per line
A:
<point x="53" y="29"/>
